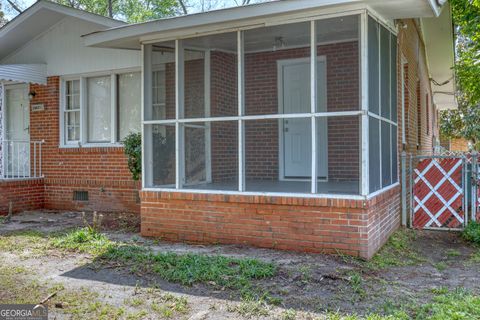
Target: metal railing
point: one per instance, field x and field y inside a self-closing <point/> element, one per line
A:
<point x="20" y="159"/>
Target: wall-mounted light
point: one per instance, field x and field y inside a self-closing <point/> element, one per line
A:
<point x="31" y="95"/>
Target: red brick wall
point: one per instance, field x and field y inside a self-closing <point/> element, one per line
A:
<point x="24" y="194"/>
<point x="352" y="227"/>
<point x="101" y="171"/>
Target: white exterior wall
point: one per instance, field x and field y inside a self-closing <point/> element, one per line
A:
<point x="62" y="49"/>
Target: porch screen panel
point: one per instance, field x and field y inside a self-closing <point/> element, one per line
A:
<point x="278" y="155"/>
<point x="211" y="76"/>
<point x="393" y="77"/>
<point x="338" y="158"/>
<point x="211" y="156"/>
<point x="338" y="72"/>
<point x="277" y="69"/>
<point x="374" y="154"/>
<point x="383" y="112"/>
<point x="385" y="73"/>
<point x="386" y="154"/>
<point x="160" y="155"/>
<point x="394" y="146"/>
<point x="162" y="69"/>
<point x="373" y="66"/>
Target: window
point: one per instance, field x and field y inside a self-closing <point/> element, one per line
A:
<point x="72" y="111"/>
<point x="101" y="109"/>
<point x="129" y="104"/>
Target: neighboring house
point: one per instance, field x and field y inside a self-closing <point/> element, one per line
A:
<point x="276" y="125"/>
<point x="456" y="144"/>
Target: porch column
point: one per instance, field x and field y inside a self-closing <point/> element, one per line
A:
<point x="364" y="179"/>
<point x="313" y="102"/>
<point x="146" y="114"/>
<point x="179" y="113"/>
<point x="241" y="110"/>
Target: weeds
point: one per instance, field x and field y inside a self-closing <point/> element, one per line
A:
<point x="472" y="232"/>
<point x="85" y="240"/>
<point x="398" y="251"/>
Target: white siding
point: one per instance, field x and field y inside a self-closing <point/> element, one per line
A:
<point x="62" y="49"/>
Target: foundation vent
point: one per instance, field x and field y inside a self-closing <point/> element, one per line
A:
<point x="80" y="195"/>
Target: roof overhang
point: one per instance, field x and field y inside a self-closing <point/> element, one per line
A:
<point x="438" y="36"/>
<point x="27" y="73"/>
<point x="39" y="18"/>
<point x="255" y="15"/>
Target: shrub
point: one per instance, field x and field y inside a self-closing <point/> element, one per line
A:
<point x="133" y="150"/>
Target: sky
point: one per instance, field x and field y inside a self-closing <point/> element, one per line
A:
<point x="10" y="14"/>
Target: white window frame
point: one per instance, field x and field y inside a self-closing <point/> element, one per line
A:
<point x="362" y="113"/>
<point x="83" y="142"/>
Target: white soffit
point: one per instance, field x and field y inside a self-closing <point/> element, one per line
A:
<point x="439" y="44"/>
<point x="28" y="73"/>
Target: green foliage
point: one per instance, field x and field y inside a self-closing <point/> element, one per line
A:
<point x="465" y="122"/>
<point x="133" y="150"/>
<point x="472" y="232"/>
<point x="188" y="269"/>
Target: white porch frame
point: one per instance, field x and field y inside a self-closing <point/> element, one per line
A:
<point x="362" y="111"/>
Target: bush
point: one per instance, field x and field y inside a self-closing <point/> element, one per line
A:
<point x="133" y="150"/>
<point x="472" y="232"/>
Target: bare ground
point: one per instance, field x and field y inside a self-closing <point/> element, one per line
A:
<point x="306" y="286"/>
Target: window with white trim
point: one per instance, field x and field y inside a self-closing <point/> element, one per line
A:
<point x="101" y="109"/>
<point x="72" y="111"/>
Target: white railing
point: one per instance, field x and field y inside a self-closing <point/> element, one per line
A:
<point x="21" y="159"/>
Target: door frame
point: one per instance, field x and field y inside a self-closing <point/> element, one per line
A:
<point x="280" y="64"/>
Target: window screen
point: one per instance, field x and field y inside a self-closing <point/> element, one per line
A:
<point x="99" y="109"/>
<point x="129" y="91"/>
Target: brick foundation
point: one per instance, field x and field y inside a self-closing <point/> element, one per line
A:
<point x="24" y="194"/>
<point x="354" y="227"/>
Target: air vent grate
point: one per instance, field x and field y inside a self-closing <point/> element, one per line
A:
<point x="80" y="195"/>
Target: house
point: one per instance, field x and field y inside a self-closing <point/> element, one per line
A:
<point x="277" y="125"/>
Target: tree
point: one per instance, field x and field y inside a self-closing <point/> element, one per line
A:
<point x="465" y="121"/>
<point x="131" y="11"/>
<point x="3" y="20"/>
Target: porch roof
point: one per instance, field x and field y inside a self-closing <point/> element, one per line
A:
<point x="39" y="18"/>
<point x="254" y="15"/>
<point x="29" y="73"/>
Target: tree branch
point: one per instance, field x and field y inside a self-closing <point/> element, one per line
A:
<point x="14" y="6"/>
<point x="184" y="8"/>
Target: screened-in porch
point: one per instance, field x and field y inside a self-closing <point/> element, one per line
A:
<point x="294" y="108"/>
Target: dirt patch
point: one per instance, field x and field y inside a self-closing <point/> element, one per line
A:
<point x="305" y="285"/>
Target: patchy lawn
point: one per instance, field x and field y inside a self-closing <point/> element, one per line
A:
<point x="113" y="273"/>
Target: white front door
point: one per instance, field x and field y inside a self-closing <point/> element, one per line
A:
<point x="297" y="140"/>
<point x="17" y="131"/>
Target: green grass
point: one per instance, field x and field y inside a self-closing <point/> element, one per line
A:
<point x="472" y="232"/>
<point x="188" y="269"/>
<point x="85" y="240"/>
<point x="397" y="252"/>
<point x="457" y="305"/>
